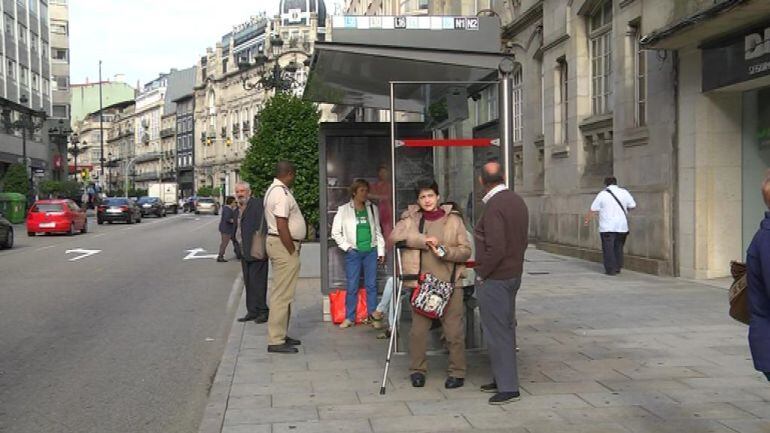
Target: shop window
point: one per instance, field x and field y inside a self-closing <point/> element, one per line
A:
<point x="600" y="46"/>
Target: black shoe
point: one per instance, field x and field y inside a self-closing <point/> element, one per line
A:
<point x="292" y="341"/>
<point x="454" y="382"/>
<point x="418" y="380"/>
<point x="260" y="318"/>
<point x="504" y="398"/>
<point x="221" y="259"/>
<point x="612" y="274"/>
<point x="490" y="387"/>
<point x="281" y="348"/>
<point x="248" y="318"/>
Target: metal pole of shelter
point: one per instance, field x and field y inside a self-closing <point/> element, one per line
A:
<point x="393" y="195"/>
<point x="506" y="117"/>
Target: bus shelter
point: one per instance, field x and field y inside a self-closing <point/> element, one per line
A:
<point x="427" y="81"/>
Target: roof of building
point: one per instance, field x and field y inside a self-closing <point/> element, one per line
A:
<point x="180" y="83"/>
<point x="711" y="22"/>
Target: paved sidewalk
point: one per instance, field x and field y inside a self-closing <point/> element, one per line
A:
<point x="599" y="354"/>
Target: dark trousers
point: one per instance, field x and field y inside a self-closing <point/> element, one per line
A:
<point x="497" y="307"/>
<point x="612" y="250"/>
<point x="226" y="238"/>
<point x="255" y="281"/>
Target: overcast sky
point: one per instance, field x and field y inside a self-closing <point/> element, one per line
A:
<point x="141" y="38"/>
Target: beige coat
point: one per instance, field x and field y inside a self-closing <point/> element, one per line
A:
<point x="449" y="230"/>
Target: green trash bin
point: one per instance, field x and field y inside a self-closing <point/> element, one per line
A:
<point x="13" y="206"/>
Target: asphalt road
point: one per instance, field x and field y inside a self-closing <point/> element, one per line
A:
<point x="125" y="340"/>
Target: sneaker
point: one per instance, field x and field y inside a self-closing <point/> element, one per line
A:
<point x="346" y="324"/>
<point x="504" y="398"/>
<point x="490" y="387"/>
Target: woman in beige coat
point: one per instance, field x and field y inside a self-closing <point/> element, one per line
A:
<point x="440" y="247"/>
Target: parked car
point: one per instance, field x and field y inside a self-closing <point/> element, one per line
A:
<point x="151" y="206"/>
<point x="206" y="205"/>
<point x="6" y="232"/>
<point x="56" y="216"/>
<point x="118" y="209"/>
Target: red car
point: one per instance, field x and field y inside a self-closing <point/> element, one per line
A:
<point x="56" y="216"/>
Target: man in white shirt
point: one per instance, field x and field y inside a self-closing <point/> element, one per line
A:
<point x="285" y="231"/>
<point x="612" y="205"/>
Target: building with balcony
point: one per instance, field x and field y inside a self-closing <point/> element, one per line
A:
<point x="25" y="86"/>
<point x="185" y="148"/>
<point x="226" y="108"/>
<point x="120" y="146"/>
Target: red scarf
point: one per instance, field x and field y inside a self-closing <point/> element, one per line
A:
<point x="433" y="215"/>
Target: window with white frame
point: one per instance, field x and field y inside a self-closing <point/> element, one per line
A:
<point x="600" y="44"/>
<point x="640" y="78"/>
<point x="517" y="90"/>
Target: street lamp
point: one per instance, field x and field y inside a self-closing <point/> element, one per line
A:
<point x="76" y="150"/>
<point x="58" y="134"/>
<point x="109" y="173"/>
<point x="276" y="78"/>
<point x="25" y="124"/>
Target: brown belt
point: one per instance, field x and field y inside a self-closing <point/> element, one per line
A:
<point x="276" y="236"/>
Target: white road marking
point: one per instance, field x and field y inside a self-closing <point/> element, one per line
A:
<point x="83" y="253"/>
<point x="45" y="248"/>
<point x="193" y="254"/>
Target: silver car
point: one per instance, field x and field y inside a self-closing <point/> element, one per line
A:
<point x="207" y="205"/>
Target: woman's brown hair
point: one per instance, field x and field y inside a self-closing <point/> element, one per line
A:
<point x="358" y="183"/>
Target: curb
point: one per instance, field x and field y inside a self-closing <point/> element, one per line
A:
<point x="214" y="414"/>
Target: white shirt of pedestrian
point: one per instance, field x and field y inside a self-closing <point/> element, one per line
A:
<point x="611" y="217"/>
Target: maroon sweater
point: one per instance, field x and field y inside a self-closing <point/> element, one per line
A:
<point x="501" y="237"/>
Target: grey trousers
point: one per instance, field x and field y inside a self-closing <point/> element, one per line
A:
<point x="497" y="306"/>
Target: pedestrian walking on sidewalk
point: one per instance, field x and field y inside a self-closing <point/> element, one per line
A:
<point x="437" y="243"/>
<point x="501" y="236"/>
<point x="285" y="231"/>
<point x="612" y="205"/>
<point x="356" y="230"/>
<point x="758" y="279"/>
<point x="227" y="229"/>
<point x="249" y="218"/>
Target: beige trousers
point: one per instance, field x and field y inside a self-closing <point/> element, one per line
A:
<point x="454" y="332"/>
<point x="285" y="274"/>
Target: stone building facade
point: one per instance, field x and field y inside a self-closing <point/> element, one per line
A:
<point x="226" y="109"/>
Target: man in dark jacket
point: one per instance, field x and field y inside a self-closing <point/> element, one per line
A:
<point x="249" y="219"/>
<point x="227" y="230"/>
<point x="758" y="278"/>
<point x="501" y="237"/>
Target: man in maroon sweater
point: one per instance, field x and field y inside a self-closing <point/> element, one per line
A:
<point x="501" y="237"/>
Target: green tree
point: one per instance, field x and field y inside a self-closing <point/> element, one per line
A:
<point x="15" y="180"/>
<point x="209" y="191"/>
<point x="61" y="189"/>
<point x="288" y="129"/>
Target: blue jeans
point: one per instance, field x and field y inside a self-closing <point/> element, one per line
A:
<point x="355" y="262"/>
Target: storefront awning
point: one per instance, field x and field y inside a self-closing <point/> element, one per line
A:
<point x="359" y="75"/>
<point x="708" y="24"/>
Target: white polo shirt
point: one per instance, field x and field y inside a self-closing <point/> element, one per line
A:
<point x="611" y="217"/>
<point x="280" y="202"/>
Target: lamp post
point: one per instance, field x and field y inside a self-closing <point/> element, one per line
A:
<point x="25" y="124"/>
<point x="276" y="78"/>
<point x="75" y="150"/>
<point x="58" y="134"/>
<point x="109" y="173"/>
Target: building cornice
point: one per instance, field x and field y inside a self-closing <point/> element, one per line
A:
<point x="531" y="15"/>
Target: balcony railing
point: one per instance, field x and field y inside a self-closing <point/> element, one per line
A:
<point x="168" y="132"/>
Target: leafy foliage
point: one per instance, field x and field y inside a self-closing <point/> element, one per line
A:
<point x="288" y="129"/>
<point x="209" y="191"/>
<point x="15" y="180"/>
<point x="60" y="189"/>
